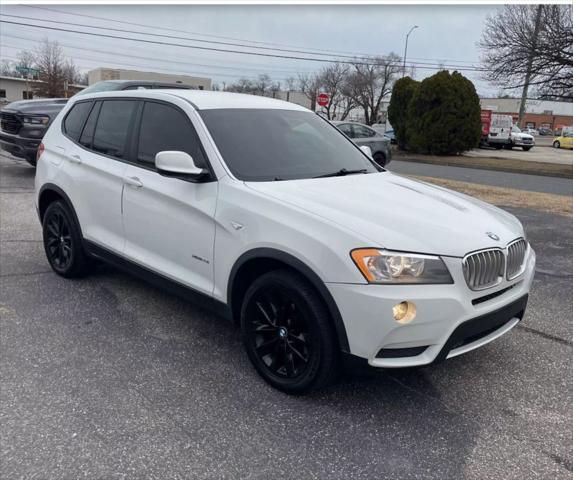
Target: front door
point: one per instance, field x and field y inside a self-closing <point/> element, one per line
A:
<point x="169" y="222"/>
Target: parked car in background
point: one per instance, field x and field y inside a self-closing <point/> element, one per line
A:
<point x="531" y="131"/>
<point x="24" y="123"/>
<point x="499" y="134"/>
<point x="365" y="136"/>
<point x="545" y="131"/>
<point x="264" y="212"/>
<point x="520" y="139"/>
<point x="564" y="141"/>
<point x="390" y="134"/>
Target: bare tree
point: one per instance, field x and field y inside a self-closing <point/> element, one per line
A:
<point x="369" y="82"/>
<point x="51" y="63"/>
<point x="26" y="59"/>
<point x="243" y="85"/>
<point x="263" y="84"/>
<point x="290" y="83"/>
<point x="7" y="68"/>
<point x="310" y="86"/>
<point x="530" y="45"/>
<point x="333" y="79"/>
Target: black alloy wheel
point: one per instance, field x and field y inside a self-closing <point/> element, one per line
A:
<point x="58" y="240"/>
<point x="62" y="242"/>
<point x="287" y="333"/>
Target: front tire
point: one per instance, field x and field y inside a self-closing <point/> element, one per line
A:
<point x="63" y="242"/>
<point x="556" y="144"/>
<point x="526" y="149"/>
<point x="288" y="334"/>
<point x="379" y="158"/>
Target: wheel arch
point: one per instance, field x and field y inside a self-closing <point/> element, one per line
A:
<point x="49" y="193"/>
<point x="254" y="263"/>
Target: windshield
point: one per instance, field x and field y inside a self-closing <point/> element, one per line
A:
<point x="263" y="144"/>
<point x="516" y="129"/>
<point x="99" y="87"/>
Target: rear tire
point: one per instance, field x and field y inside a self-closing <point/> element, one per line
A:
<point x="379" y="158"/>
<point x="288" y="334"/>
<point x="63" y="242"/>
<point x="556" y="144"/>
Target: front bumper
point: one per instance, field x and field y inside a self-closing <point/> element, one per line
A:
<point x="450" y="319"/>
<point x="19" y="146"/>
<point x="519" y="142"/>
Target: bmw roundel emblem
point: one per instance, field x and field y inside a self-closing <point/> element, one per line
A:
<point x="492" y="235"/>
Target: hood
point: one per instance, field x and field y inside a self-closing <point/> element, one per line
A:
<point x="522" y="135"/>
<point x="49" y="107"/>
<point x="394" y="212"/>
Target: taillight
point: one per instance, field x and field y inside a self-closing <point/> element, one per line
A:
<point x="41" y="149"/>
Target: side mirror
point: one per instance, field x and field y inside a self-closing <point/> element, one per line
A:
<point x="178" y="164"/>
<point x="366" y="149"/>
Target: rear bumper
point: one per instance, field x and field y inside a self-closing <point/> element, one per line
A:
<point x="19" y="146"/>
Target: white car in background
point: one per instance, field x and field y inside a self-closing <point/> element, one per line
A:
<point x="521" y="139"/>
<point x="268" y="214"/>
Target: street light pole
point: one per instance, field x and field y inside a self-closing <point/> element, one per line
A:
<point x="406" y="49"/>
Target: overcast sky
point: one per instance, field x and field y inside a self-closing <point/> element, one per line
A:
<point x="447" y="34"/>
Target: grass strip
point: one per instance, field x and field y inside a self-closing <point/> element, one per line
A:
<point x="486" y="163"/>
<point x="510" y="197"/>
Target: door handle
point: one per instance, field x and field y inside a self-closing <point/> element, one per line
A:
<point x="75" y="158"/>
<point x="133" y="182"/>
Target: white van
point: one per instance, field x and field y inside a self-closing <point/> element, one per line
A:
<point x="500" y="130"/>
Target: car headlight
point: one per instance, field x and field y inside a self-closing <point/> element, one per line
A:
<point x="383" y="266"/>
<point x="36" y="120"/>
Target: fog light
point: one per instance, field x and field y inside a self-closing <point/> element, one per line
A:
<point x="404" y="312"/>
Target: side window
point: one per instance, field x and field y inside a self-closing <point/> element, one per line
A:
<point x="87" y="135"/>
<point x="346" y="128"/>
<point x="112" y="127"/>
<point x="74" y="121"/>
<point x="363" y="132"/>
<point x="166" y="128"/>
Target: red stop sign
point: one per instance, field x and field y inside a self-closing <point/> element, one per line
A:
<point x="322" y="99"/>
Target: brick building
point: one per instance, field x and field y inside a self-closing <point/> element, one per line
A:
<point x="538" y="113"/>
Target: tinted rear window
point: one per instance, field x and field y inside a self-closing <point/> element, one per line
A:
<point x="75" y="119"/>
<point x="112" y="128"/>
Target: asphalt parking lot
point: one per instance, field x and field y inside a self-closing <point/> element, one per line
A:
<point x="107" y="377"/>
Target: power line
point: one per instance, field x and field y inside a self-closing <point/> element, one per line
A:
<point x="161" y="69"/>
<point x="130" y="55"/>
<point x="214" y="49"/>
<point x="173" y="37"/>
<point x="155" y="27"/>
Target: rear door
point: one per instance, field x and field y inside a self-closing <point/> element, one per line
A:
<point x="96" y="164"/>
<point x="169" y="222"/>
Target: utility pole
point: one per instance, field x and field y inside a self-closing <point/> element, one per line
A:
<point x="529" y="65"/>
<point x="406" y="50"/>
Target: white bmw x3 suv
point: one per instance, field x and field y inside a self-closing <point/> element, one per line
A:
<point x="266" y="213"/>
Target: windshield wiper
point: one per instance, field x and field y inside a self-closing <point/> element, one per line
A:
<point x="342" y="172"/>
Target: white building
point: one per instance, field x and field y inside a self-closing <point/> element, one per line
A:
<point x="102" y="73"/>
<point x="13" y="89"/>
